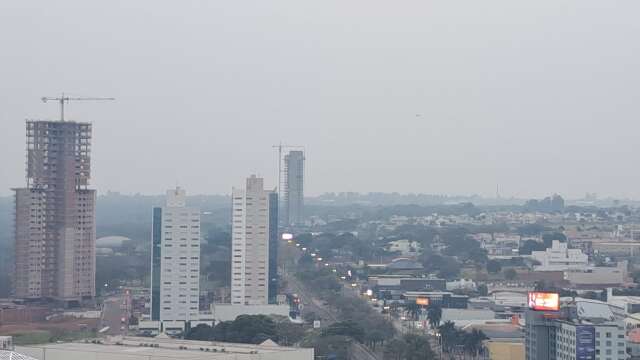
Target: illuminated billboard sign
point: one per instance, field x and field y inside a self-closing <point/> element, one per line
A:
<point x="544" y="301"/>
<point x="287" y="236"/>
<point x="422" y="301"/>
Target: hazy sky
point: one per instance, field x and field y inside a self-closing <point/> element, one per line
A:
<point x="410" y="96"/>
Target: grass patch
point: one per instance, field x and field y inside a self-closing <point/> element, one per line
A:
<point x="31" y="337"/>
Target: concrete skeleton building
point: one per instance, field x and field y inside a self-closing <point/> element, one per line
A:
<point x="293" y="188"/>
<point x="55" y="229"/>
<point x="175" y="261"/>
<point x="250" y="248"/>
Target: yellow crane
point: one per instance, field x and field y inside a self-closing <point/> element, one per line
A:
<point x="65" y="99"/>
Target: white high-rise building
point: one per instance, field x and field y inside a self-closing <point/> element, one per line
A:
<point x="250" y="244"/>
<point x="175" y="262"/>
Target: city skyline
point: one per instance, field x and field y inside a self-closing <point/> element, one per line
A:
<point x="423" y="98"/>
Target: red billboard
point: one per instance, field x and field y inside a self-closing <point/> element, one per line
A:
<point x="544" y="301"/>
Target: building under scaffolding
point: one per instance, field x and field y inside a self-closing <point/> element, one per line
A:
<point x="55" y="214"/>
<point x="293" y="187"/>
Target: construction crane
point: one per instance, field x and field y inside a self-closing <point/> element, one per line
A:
<point x="281" y="189"/>
<point x="65" y="99"/>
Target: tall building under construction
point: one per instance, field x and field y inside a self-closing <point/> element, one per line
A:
<point x="55" y="227"/>
<point x="294" y="188"/>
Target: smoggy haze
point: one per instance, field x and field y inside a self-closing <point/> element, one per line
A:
<point x="412" y="96"/>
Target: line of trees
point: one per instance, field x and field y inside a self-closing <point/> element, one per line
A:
<point x="250" y="329"/>
<point x="454" y="339"/>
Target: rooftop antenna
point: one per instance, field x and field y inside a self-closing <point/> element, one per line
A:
<point x="65" y="99"/>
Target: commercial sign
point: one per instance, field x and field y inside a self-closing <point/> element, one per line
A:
<point x="544" y="301"/>
<point x="585" y="342"/>
<point x="422" y="301"/>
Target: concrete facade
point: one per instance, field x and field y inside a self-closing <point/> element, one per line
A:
<point x="142" y="348"/>
<point x="55" y="229"/>
<point x="175" y="264"/>
<point x="598" y="277"/>
<point x="560" y="258"/>
<point x="587" y="331"/>
<point x="250" y="244"/>
<point x="294" y="188"/>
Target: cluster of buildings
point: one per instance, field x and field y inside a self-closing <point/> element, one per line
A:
<point x="576" y="328"/>
<point x="55" y="234"/>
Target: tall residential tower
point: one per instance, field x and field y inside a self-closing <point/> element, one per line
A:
<point x="251" y="234"/>
<point x="55" y="229"/>
<point x="294" y="187"/>
<point x="175" y="260"/>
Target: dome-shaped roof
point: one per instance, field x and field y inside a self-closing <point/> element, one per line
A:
<point x="111" y="241"/>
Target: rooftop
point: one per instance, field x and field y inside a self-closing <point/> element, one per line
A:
<point x="166" y="348"/>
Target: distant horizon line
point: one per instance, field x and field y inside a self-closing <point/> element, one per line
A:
<point x="394" y="193"/>
<point x="342" y="194"/>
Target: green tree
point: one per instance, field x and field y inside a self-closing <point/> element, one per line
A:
<point x="288" y="333"/>
<point x="324" y="347"/>
<point x="395" y="349"/>
<point x="417" y="348"/>
<point x="493" y="266"/>
<point x="251" y="329"/>
<point x="531" y="245"/>
<point x="531" y="229"/>
<point x="434" y="314"/>
<point x="409" y="347"/>
<point x="413" y="310"/>
<point x="548" y="237"/>
<point x="304" y="239"/>
<point x="448" y="334"/>
<point x="201" y="332"/>
<point x="510" y="274"/>
<point x="346" y="328"/>
<point x="483" y="290"/>
<point x="472" y="341"/>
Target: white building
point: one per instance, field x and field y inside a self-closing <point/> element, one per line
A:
<point x="250" y="244"/>
<point x="609" y="340"/>
<point x="404" y="247"/>
<point x="590" y="331"/>
<point x="560" y="258"/>
<point x="175" y="264"/>
<point x="461" y="284"/>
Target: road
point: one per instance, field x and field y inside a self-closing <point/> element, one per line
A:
<point x="327" y="314"/>
<point x="114" y="309"/>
